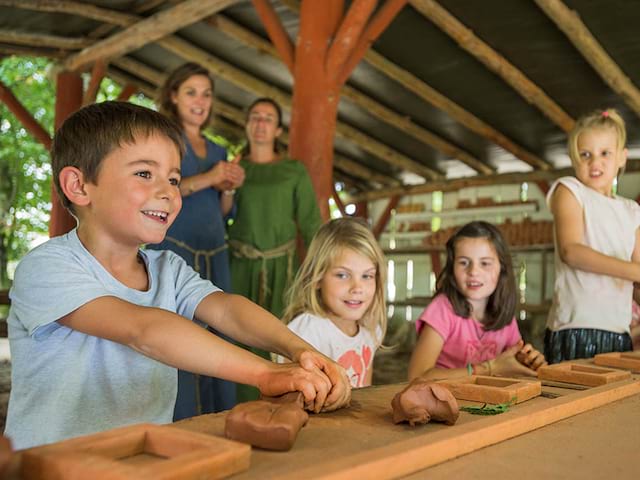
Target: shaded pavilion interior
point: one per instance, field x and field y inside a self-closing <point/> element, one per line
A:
<point x="449" y="89"/>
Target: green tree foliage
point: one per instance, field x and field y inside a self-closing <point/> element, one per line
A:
<point x="25" y="170"/>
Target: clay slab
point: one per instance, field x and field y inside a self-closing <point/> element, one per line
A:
<point x="142" y="451"/>
<point x="630" y="360"/>
<point x="581" y="374"/>
<point x="486" y="389"/>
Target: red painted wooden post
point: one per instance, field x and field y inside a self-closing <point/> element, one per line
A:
<point x="68" y="100"/>
<point x="330" y="44"/>
<point x="24" y="117"/>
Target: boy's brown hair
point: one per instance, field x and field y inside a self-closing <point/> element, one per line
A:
<point x="93" y="132"/>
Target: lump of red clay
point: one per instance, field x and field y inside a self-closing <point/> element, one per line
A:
<point x="422" y="401"/>
<point x="271" y="423"/>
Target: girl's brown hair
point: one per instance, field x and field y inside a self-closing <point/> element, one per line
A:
<point x="501" y="306"/>
<point x="304" y="294"/>
<point x="171" y="86"/>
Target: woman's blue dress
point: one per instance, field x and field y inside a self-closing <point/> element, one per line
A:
<point x="198" y="236"/>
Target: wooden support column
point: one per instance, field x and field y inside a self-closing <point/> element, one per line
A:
<point x="386" y="215"/>
<point x="362" y="210"/>
<point x="128" y="90"/>
<point x="339" y="203"/>
<point x="68" y="100"/>
<point x="97" y="74"/>
<point x="24" y="117"/>
<point x="330" y="43"/>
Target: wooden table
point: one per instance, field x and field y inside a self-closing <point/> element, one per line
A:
<point x="362" y="441"/>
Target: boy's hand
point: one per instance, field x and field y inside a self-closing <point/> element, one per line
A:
<point x="530" y="357"/>
<point x="292" y="377"/>
<point x="340" y="394"/>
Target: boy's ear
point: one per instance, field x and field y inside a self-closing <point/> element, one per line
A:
<point x="72" y="184"/>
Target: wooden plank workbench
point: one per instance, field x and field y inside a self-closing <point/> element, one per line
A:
<point x="362" y="441"/>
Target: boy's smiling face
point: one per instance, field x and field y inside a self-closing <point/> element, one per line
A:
<point x="136" y="197"/>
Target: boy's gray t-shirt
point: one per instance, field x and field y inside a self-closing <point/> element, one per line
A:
<point x="66" y="383"/>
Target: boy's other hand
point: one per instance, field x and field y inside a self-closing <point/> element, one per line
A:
<point x="292" y="377"/>
<point x="340" y="394"/>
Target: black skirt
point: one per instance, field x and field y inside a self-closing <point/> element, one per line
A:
<point x="575" y="343"/>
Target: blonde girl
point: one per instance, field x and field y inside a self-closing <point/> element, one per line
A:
<point x="597" y="245"/>
<point x="336" y="302"/>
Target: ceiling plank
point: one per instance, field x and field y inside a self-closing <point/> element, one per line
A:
<point x="569" y="22"/>
<point x="39" y="40"/>
<point x="145" y="31"/>
<point x="494" y="61"/>
<point x="385" y="114"/>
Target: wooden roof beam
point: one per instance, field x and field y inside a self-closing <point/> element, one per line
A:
<point x="374" y="29"/>
<point x="385" y="114"/>
<point x="40" y="39"/>
<point x="276" y="32"/>
<point x="455" y="111"/>
<point x="466" y="182"/>
<point x="569" y="22"/>
<point x="494" y="61"/>
<point x="32" y="51"/>
<point x="24" y="117"/>
<point x="148" y="30"/>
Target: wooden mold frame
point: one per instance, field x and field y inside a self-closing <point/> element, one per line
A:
<point x="581" y="374"/>
<point x="142" y="451"/>
<point x="481" y="388"/>
<point x="630" y="360"/>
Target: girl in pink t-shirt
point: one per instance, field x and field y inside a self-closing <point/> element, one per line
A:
<point x="469" y="327"/>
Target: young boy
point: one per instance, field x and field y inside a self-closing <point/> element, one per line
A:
<point x="97" y="326"/>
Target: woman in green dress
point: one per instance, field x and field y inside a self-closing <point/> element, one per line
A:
<point x="275" y="203"/>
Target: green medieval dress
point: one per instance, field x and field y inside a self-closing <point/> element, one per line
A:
<point x="275" y="202"/>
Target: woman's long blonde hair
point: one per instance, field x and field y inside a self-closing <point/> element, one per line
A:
<point x="304" y="294"/>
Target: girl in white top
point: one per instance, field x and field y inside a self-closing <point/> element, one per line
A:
<point x="597" y="245"/>
<point x="336" y="301"/>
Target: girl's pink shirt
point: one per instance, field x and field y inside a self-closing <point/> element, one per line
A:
<point x="465" y="341"/>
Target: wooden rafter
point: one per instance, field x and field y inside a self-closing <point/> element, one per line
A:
<point x="33" y="51"/>
<point x="374" y="29"/>
<point x="569" y="22"/>
<point x="455" y="111"/>
<point x="347" y="36"/>
<point x="373" y="107"/>
<point x="494" y="61"/>
<point x="277" y="33"/>
<point x="466" y="182"/>
<point x="40" y="39"/>
<point x="148" y="30"/>
<point x="24" y="117"/>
